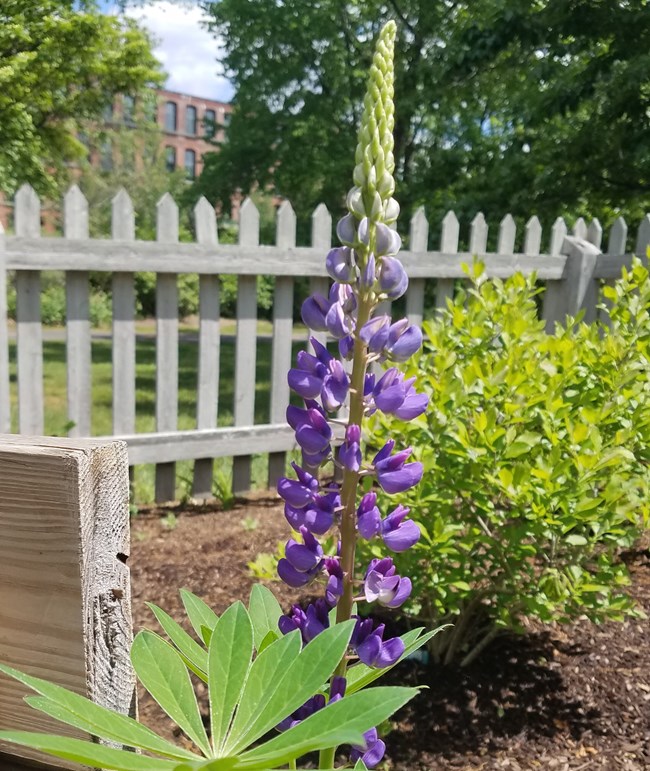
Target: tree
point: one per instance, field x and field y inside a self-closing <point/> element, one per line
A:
<point x="501" y="105"/>
<point x="61" y="63"/>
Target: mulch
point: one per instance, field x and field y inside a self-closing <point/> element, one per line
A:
<point x="563" y="697"/>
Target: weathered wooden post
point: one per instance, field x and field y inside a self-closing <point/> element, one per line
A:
<point x="65" y="605"/>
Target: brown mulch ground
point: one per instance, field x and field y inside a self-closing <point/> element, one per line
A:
<point x="571" y="697"/>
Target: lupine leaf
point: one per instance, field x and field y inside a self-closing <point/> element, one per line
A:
<point x="360" y="675"/>
<point x="264" y="612"/>
<point x="199" y="613"/>
<point x="93" y="755"/>
<point x="229" y="659"/>
<point x="193" y="654"/>
<point x="162" y="672"/>
<point x="82" y="713"/>
<point x="264" y="675"/>
<point x="269" y="637"/>
<point x="360" y="766"/>
<point x="303" y="676"/>
<point x="343" y="722"/>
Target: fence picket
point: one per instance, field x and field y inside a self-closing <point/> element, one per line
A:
<point x="282" y="338"/>
<point x="321" y="238"/>
<point x="643" y="237"/>
<point x="166" y="346"/>
<point x="507" y="235"/>
<point x="553" y="297"/>
<point x="123" y="229"/>
<point x="595" y="232"/>
<point x="246" y="346"/>
<point x="580" y="228"/>
<point x="533" y="237"/>
<point x="616" y="245"/>
<point x="77" y="290"/>
<point x="478" y="234"/>
<point x="558" y="233"/>
<point x="448" y="245"/>
<point x="27" y="212"/>
<point x="5" y="400"/>
<point x="418" y="241"/>
<point x="207" y="396"/>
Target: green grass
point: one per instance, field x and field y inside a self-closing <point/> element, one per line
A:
<point x="56" y="419"/>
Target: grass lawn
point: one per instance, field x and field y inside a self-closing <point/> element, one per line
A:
<point x="56" y="420"/>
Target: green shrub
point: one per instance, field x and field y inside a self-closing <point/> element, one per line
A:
<point x="536" y="452"/>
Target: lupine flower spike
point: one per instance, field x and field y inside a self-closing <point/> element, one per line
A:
<point x="366" y="270"/>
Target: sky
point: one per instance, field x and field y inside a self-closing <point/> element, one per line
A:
<point x="186" y="49"/>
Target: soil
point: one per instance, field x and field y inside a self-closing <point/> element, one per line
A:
<point x="563" y="697"/>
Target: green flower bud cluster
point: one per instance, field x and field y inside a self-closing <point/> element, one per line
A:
<point x="373" y="174"/>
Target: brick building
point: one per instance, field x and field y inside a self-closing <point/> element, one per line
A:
<point x="187" y="123"/>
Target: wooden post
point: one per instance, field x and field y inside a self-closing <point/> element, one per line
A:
<point x="65" y="604"/>
<point x="553" y="296"/>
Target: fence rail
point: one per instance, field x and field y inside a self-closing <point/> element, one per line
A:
<point x="572" y="267"/>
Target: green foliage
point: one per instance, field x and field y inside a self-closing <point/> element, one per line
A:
<point x="61" y="64"/>
<point x="489" y="93"/>
<point x="536" y="451"/>
<point x="255" y="678"/>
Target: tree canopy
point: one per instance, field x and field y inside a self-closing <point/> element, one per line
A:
<point x="501" y="105"/>
<point x="61" y="63"/>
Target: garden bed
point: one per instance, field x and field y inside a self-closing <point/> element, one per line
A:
<point x="566" y="697"/>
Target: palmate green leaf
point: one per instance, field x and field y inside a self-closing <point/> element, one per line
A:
<point x="343" y="722"/>
<point x="264" y="612"/>
<point x="163" y="673"/>
<point x="87" y="753"/>
<point x="264" y="706"/>
<point x="76" y="710"/>
<point x="360" y="675"/>
<point x="229" y="659"/>
<point x="200" y="614"/>
<point x="192" y="653"/>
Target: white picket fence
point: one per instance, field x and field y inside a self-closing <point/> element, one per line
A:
<point x="572" y="267"/>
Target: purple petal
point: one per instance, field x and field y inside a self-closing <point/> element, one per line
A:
<point x="387" y="240"/>
<point x="369" y="650"/>
<point x="403" y="537"/>
<point x="313" y="312"/>
<point x="374" y="754"/>
<point x="338" y="324"/>
<point x="346" y="229"/>
<point x="401" y="595"/>
<point x="390" y="652"/>
<point x="406" y="344"/>
<point x="384" y="452"/>
<point x="310" y="440"/>
<point x="301" y="557"/>
<point x="392" y="482"/>
<point x="291" y="576"/>
<point x="304" y="384"/>
<point x="369" y="523"/>
<point x="294" y="493"/>
<point x="338" y="264"/>
<point x="413" y="405"/>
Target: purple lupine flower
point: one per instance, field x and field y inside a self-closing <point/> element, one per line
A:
<point x="383" y="585"/>
<point x="393" y="473"/>
<point x="317" y="515"/>
<point x="375" y="333"/>
<point x="310" y="622"/>
<point x="320" y="375"/>
<point x="369" y="273"/>
<point x="298" y="492"/>
<point x="335" y="386"/>
<point x="387" y="241"/>
<point x="403" y="341"/>
<point x="316" y="703"/>
<point x="368" y="516"/>
<point x="295" y="620"/>
<point x="306" y="379"/>
<point x="372" y="752"/>
<point x="339" y="264"/>
<point x="346" y="347"/>
<point x="338" y="323"/>
<point x="346" y="230"/>
<point x="371" y="648"/>
<point x="334" y="588"/>
<point x="313" y="432"/>
<point x="313" y="312"/>
<point x="396" y="396"/>
<point x="345" y="296"/>
<point x="399" y="533"/>
<point x="350" y="451"/>
<point x="393" y="280"/>
<point x="302" y="562"/>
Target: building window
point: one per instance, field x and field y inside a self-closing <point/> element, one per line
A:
<point x="226" y="119"/>
<point x="190" y="120"/>
<point x="190" y="163"/>
<point x="209" y="122"/>
<point x="171" y="112"/>
<point x="128" y="110"/>
<point x="170" y="158"/>
<point x="106" y="160"/>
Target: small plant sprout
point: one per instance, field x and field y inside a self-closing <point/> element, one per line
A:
<point x="302" y="675"/>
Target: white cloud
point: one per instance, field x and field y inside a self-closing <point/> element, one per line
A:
<point x="188" y="52"/>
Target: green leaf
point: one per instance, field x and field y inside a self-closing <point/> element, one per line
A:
<point x="343" y="722"/>
<point x="194" y="656"/>
<point x="264" y="612"/>
<point x="301" y="677"/>
<point x="93" y="755"/>
<point x="200" y="615"/>
<point x="229" y="659"/>
<point x="360" y="766"/>
<point x="164" y="674"/>
<point x="76" y="710"/>
<point x="576" y="540"/>
<point x="360" y="675"/>
<point x="269" y="638"/>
